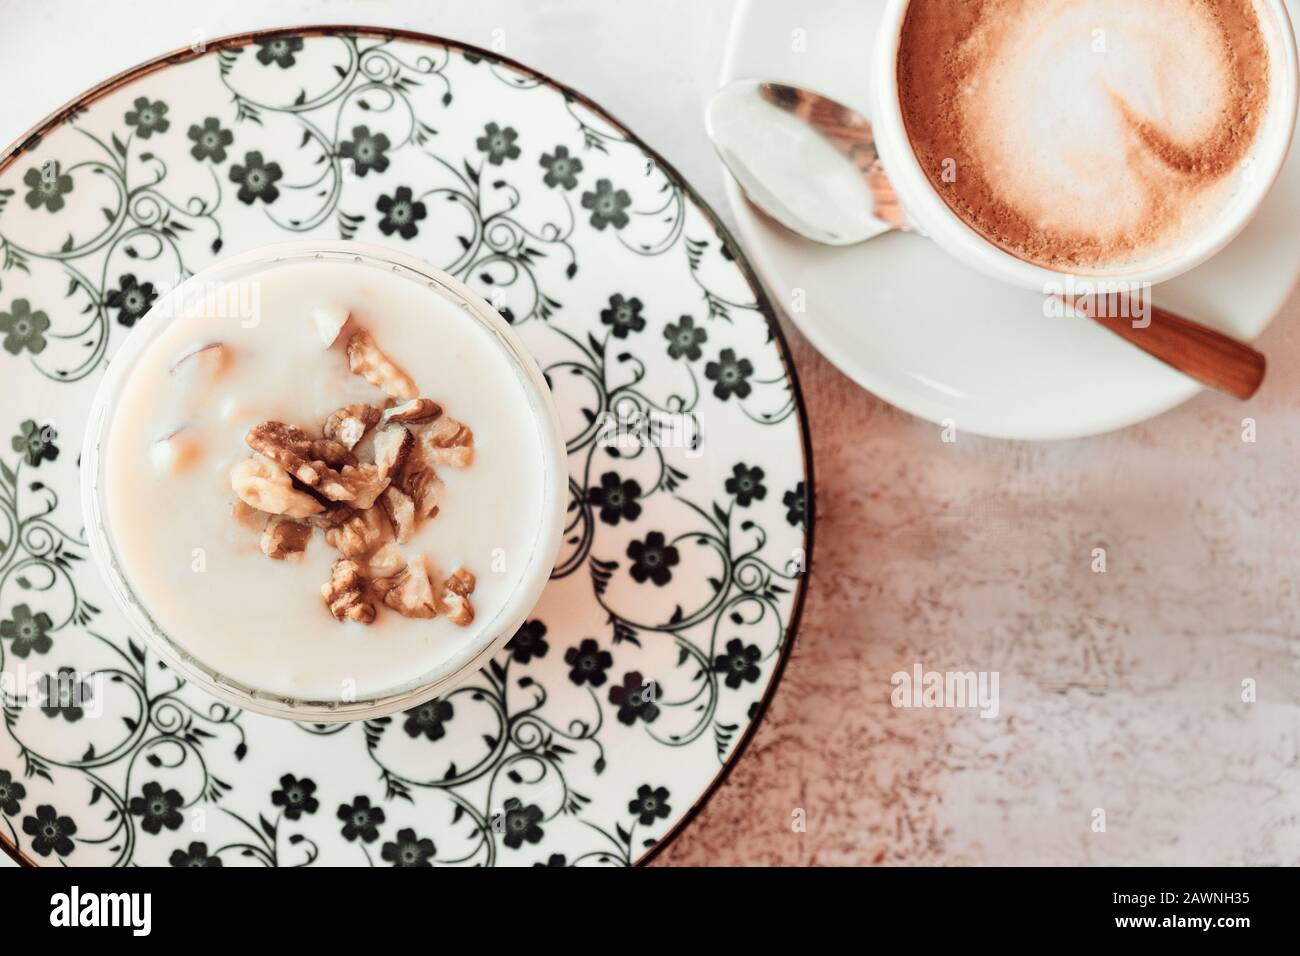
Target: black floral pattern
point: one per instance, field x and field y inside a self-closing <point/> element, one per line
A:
<point x="429" y="719"/>
<point x="498" y="144"/>
<point x="210" y="142"/>
<point x="617" y="499"/>
<point x="561" y="168"/>
<point x="256" y="179"/>
<point x="730" y="375"/>
<point x="195" y="856"/>
<point x="11" y="794"/>
<point x="652" y="559"/>
<point x="366" y="151"/>
<point x="796" y="505"/>
<point x="608" y="205"/>
<point x="739" y="663"/>
<point x="650" y="804"/>
<point x="279" y="51"/>
<point x="27" y="632"/>
<point x="50" y="832"/>
<point x="131" y="298"/>
<point x="158" y="808"/>
<point x="623" y="315"/>
<point x="684" y="339"/>
<point x="746" y="484"/>
<point x="521" y="823"/>
<point x="148" y="117"/>
<point x="295" y="796"/>
<point x="35" y="443"/>
<point x="64" y="694"/>
<point x="529" y="642"/>
<point x="635" y="698"/>
<point x="554" y="860"/>
<point x="47" y="186"/>
<point x="361" y="820"/>
<point x="588" y="663"/>
<point x="409" y="850"/>
<point x="401" y="213"/>
<point x="23" y="328"/>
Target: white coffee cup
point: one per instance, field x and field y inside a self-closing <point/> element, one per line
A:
<point x="927" y="209"/>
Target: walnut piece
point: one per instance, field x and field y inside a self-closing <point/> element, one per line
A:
<point x="422" y="485"/>
<point x="393" y="443"/>
<point x="285" y="538"/>
<point x="401" y="512"/>
<point x="365" y="359"/>
<point x="349" y="424"/>
<point x="329" y="321"/>
<point x="448" y="442"/>
<point x="345" y="593"/>
<point x="262" y="484"/>
<point x="410" y="591"/>
<point x="361" y="534"/>
<point x="311" y="460"/>
<point x="413" y="412"/>
<point x="361" y="486"/>
<point x="386" y="561"/>
<point x="455" y="597"/>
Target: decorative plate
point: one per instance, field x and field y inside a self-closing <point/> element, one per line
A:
<point x="622" y="702"/>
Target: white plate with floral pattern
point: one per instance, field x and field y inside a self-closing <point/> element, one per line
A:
<point x="638" y="679"/>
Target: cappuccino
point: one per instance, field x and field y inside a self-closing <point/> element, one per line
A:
<point x="1084" y="135"/>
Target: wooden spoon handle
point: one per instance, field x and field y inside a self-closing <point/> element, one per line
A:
<point x="1210" y="357"/>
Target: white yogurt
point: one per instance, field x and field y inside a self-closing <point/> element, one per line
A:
<point x="201" y="575"/>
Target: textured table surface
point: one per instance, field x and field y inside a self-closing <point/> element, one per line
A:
<point x="1119" y="691"/>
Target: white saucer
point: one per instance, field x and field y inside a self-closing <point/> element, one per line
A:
<point x="928" y="334"/>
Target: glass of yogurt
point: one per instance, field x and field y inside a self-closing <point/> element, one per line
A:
<point x="324" y="480"/>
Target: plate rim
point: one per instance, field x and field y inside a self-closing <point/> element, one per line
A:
<point x="30" y="139"/>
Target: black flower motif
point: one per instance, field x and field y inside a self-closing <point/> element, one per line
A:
<point x="148" y="118"/>
<point x="634" y="698"/>
<point x="746" y="484"/>
<point x="256" y="178"/>
<point x="196" y="855"/>
<point x="561" y="168"/>
<point x="131" y="298"/>
<point x="409" y="850"/>
<point x="796" y="505"/>
<point x="498" y="144"/>
<point x="607" y="205"/>
<point x="360" y="819"/>
<point x="366" y="150"/>
<point x="49" y="831"/>
<point x="739" y="663"/>
<point x="295" y="796"/>
<point x="210" y="141"/>
<point x="685" y="339"/>
<point x="279" y="51"/>
<point x="23" y="328"/>
<point x="63" y="695"/>
<point x="35" y="443"/>
<point x="11" y="791"/>
<point x="588" y="663"/>
<point x="159" y="808"/>
<point x="616" y="499"/>
<point x="28" y="632"/>
<point x="554" y="860"/>
<point x="429" y="719"/>
<point x="652" y="558"/>
<point x="401" y="213"/>
<point x="521" y="823"/>
<point x="47" y="186"/>
<point x="730" y="374"/>
<point x="529" y="642"/>
<point x="624" y="315"/>
<point x="650" y="804"/>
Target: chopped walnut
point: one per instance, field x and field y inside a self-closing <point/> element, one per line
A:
<point x="329" y="322"/>
<point x="455" y="597"/>
<point x="401" y="512"/>
<point x="422" y="485"/>
<point x="349" y="424"/>
<point x="393" y="443"/>
<point x="386" y="561"/>
<point x="335" y="513"/>
<point x="262" y="484"/>
<point x="284" y="538"/>
<point x="359" y="535"/>
<point x="345" y="593"/>
<point x="448" y="442"/>
<point x="365" y="359"/>
<point x="413" y="412"/>
<point x="311" y="460"/>
<point x="361" y="486"/>
<point x="410" y="591"/>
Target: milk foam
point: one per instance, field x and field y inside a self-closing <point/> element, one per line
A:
<point x="1087" y="133"/>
